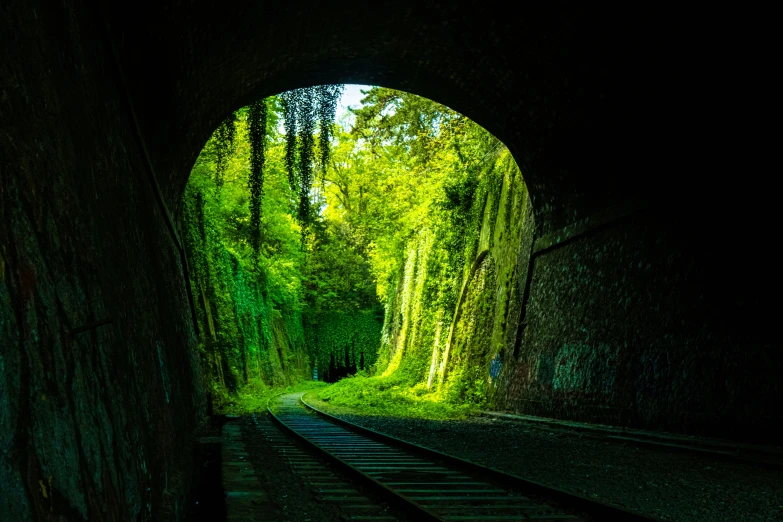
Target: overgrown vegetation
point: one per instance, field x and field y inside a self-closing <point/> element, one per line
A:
<point x="255" y="397"/>
<point x="397" y="262"/>
<point x="342" y="342"/>
<point x="390" y="395"/>
<point x="441" y="204"/>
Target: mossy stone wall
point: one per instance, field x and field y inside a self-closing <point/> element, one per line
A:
<point x="448" y="318"/>
<point x="101" y="391"/>
<point x="614" y="325"/>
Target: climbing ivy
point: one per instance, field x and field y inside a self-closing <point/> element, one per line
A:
<point x="241" y="254"/>
<point x="304" y="111"/>
<point x="340" y="343"/>
<point x="438" y="201"/>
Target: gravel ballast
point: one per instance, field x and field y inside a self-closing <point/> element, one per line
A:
<point x="667" y="485"/>
<point x="292" y="499"/>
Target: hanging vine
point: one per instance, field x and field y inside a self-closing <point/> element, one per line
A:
<point x="306" y="121"/>
<point x="256" y="122"/>
<point x="303" y="110"/>
<point x="327" y="109"/>
<point x="290" y="101"/>
<point x="224" y="146"/>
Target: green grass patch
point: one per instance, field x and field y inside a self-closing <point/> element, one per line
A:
<point x="392" y="396"/>
<point x="253" y="397"/>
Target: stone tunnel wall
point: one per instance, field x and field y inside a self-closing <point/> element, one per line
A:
<point x="96" y="424"/>
<point x="622" y="328"/>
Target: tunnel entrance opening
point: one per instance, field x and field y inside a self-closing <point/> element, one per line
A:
<point x="345" y="367"/>
<point x="367" y="252"/>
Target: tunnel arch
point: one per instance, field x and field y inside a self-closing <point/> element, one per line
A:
<point x="598" y="107"/>
<point x="548" y="82"/>
<point x="103" y="102"/>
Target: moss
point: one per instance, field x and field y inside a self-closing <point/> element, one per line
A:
<point x="253" y="397"/>
<point x="391" y="395"/>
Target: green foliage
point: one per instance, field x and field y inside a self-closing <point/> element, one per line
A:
<point x="256" y="123"/>
<point x="305" y="119"/>
<point x="415" y="125"/>
<point x="337" y="275"/>
<point x="289" y="99"/>
<point x="327" y="96"/>
<point x="427" y="194"/>
<point x="223" y="144"/>
<point x="399" y="261"/>
<point x="303" y="109"/>
<point x="254" y="397"/>
<point x="392" y="396"/>
<point x="331" y="336"/>
<point x="248" y="297"/>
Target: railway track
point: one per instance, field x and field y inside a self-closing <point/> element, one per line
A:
<point x="320" y="478"/>
<point x="428" y="485"/>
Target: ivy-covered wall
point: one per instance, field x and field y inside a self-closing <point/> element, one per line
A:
<point x="447" y="318"/>
<point x="245" y="336"/>
<point x="590" y="329"/>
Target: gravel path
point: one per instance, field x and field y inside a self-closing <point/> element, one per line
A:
<point x="669" y="486"/>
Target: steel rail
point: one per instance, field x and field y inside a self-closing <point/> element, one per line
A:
<point x="595" y="509"/>
<point x="397" y="501"/>
<point x="430" y="485"/>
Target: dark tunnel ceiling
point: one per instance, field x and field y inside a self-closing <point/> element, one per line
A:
<point x="556" y="85"/>
<point x="598" y="106"/>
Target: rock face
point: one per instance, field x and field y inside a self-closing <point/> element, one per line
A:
<point x="664" y="318"/>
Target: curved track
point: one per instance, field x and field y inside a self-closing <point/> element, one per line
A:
<point x="426" y="484"/>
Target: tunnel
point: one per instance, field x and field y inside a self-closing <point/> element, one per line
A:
<point x="650" y="278"/>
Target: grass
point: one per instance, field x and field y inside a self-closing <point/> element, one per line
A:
<point x="253" y="397"/>
<point x="391" y="396"/>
